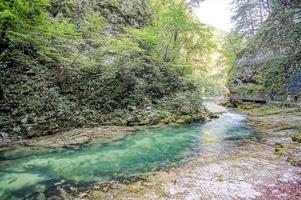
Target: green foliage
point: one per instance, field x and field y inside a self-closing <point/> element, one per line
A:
<point x="184" y="103"/>
<point x="174" y="33"/>
<point x="272" y="55"/>
<point x="21" y="21"/>
<point x="251" y="89"/>
<point x="26" y="25"/>
<point x="273" y="73"/>
<point x="231" y="48"/>
<point x="147" y="38"/>
<point x="80" y="68"/>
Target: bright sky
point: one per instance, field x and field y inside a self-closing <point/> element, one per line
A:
<point x="216" y="13"/>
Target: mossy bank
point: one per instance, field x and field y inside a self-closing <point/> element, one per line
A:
<point x="279" y="126"/>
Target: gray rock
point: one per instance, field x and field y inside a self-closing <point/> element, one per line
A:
<point x="132" y="108"/>
<point x="17" y="129"/>
<point x="3" y="136"/>
<point x="40" y="188"/>
<point x="31" y="72"/>
<point x="41" y="196"/>
<point x="24" y="120"/>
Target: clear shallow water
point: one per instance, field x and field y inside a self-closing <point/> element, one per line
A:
<point x="141" y="152"/>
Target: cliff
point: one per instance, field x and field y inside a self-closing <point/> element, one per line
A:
<point x="271" y="62"/>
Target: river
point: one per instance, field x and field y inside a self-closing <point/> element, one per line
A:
<point x="220" y="159"/>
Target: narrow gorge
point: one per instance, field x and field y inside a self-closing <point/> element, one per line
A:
<point x="150" y="99"/>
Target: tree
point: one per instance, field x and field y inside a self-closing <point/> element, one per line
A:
<point x="193" y="3"/>
<point x="232" y="46"/>
<point x="249" y="15"/>
<point x="179" y="35"/>
<point x="27" y="26"/>
<point x="21" y="22"/>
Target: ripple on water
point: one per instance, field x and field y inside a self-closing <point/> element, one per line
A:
<point x="144" y="151"/>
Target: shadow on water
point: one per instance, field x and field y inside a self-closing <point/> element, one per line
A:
<point x="125" y="159"/>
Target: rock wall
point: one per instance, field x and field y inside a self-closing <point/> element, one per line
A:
<point x="117" y="14"/>
<point x="270" y="59"/>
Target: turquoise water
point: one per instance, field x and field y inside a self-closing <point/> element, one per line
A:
<point x="140" y="152"/>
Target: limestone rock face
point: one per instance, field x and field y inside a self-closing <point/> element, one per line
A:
<point x="268" y="64"/>
<point x="117" y="14"/>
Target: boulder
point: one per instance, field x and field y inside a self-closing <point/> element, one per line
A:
<point x="4" y="135"/>
<point x="144" y="121"/>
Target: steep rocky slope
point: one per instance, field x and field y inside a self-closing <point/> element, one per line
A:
<point x="271" y="61"/>
<point x="117" y="14"/>
<point x="40" y="97"/>
<point x="101" y="76"/>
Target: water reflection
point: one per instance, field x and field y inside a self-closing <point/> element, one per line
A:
<point x="145" y="151"/>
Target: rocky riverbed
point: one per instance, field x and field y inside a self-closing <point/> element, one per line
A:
<point x="226" y="160"/>
<point x="255" y="170"/>
<point x="280" y="126"/>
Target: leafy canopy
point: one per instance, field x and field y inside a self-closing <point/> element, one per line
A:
<point x="26" y="24"/>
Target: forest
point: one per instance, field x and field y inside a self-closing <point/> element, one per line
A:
<point x="115" y="99"/>
<point x="69" y="64"/>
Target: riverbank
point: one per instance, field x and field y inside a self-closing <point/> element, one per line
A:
<point x="223" y="169"/>
<point x="100" y="134"/>
<point x="279" y="125"/>
<point x="227" y="160"/>
<point x="253" y="170"/>
<point x="71" y="139"/>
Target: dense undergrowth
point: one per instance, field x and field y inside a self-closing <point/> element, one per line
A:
<point x="68" y="64"/>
